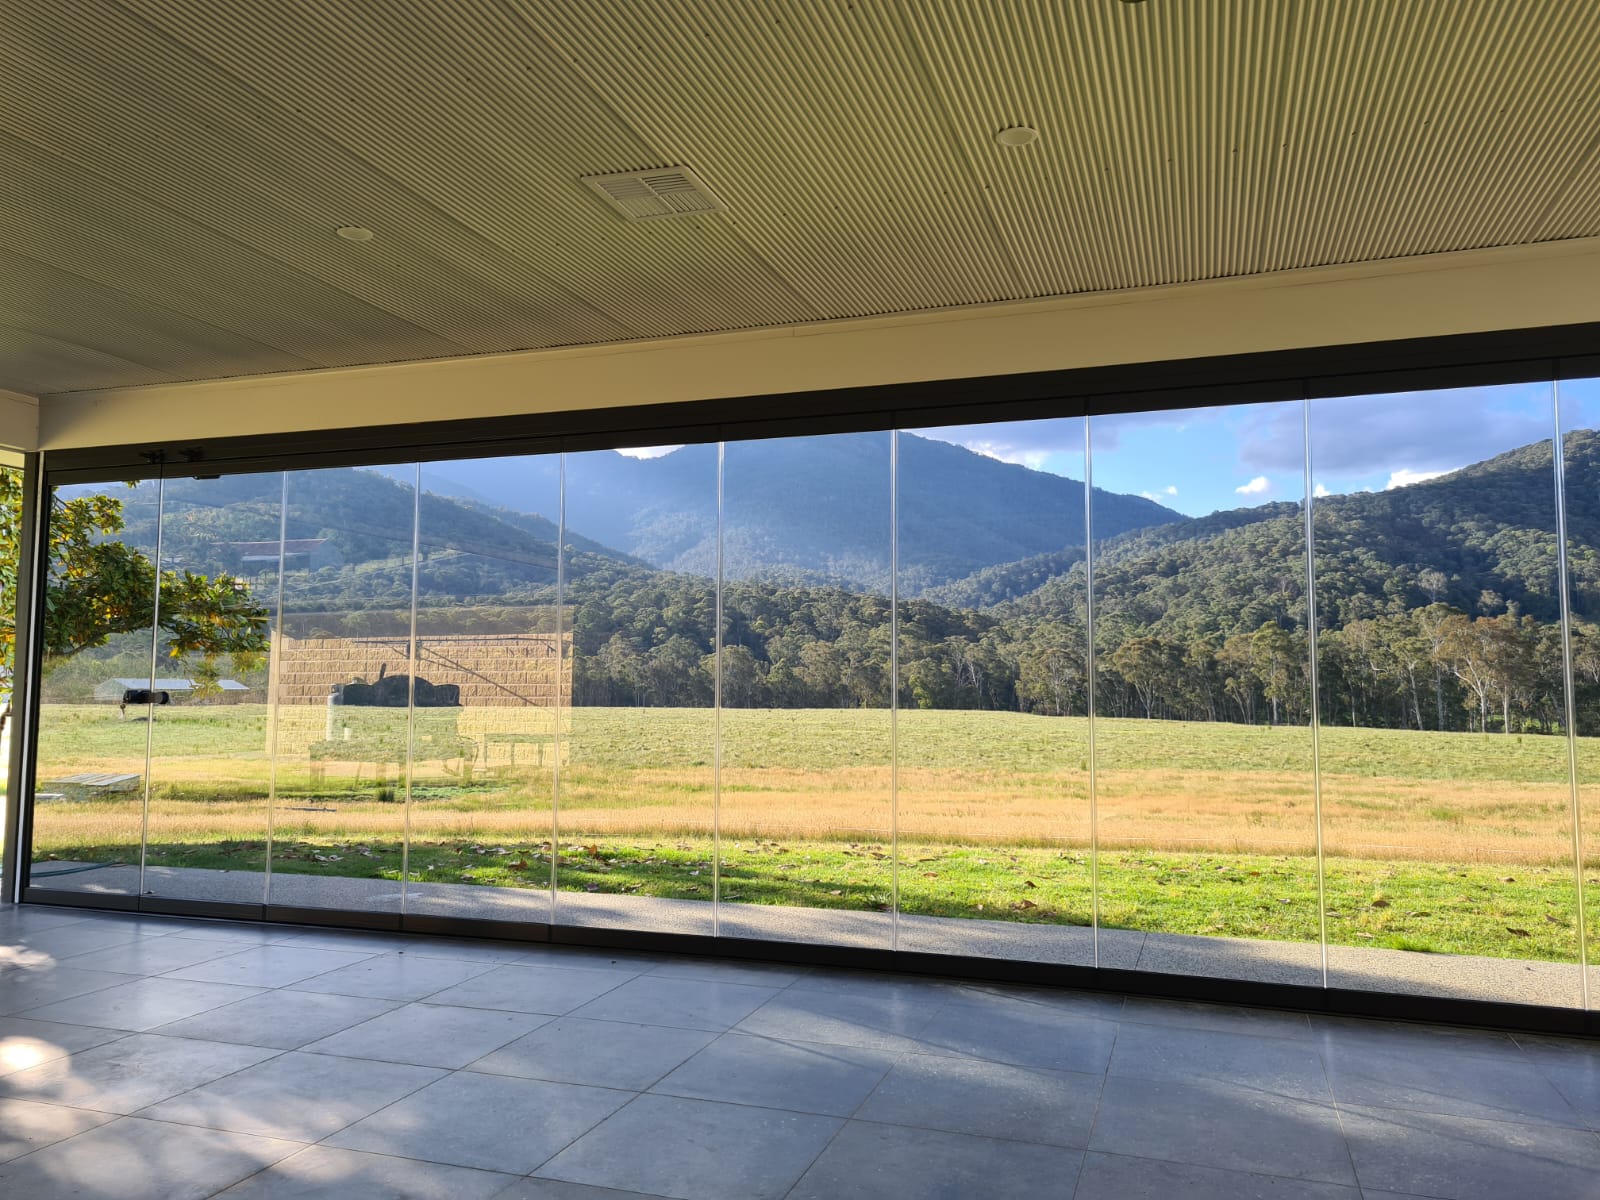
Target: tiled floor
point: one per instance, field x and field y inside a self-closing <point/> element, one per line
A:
<point x="148" y="1057"/>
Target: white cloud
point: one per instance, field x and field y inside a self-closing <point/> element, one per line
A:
<point x="1149" y="496"/>
<point x="1370" y="436"/>
<point x="1028" y="444"/>
<point x="1321" y="490"/>
<point x="1405" y="476"/>
<point x="1032" y="457"/>
<point x="647" y="451"/>
<point x="1255" y="487"/>
<point x="1171" y="489"/>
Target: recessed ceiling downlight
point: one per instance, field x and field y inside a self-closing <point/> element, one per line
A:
<point x="355" y="233"/>
<point x="1017" y="135"/>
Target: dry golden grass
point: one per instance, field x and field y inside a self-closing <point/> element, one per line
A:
<point x="980" y="778"/>
<point x="1242" y="813"/>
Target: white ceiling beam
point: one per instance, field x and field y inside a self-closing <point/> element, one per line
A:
<point x="19" y="425"/>
<point x="1435" y="295"/>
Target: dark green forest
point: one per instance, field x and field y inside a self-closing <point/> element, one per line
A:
<point x="1437" y="604"/>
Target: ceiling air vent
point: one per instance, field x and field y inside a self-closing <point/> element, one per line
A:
<point x="646" y="195"/>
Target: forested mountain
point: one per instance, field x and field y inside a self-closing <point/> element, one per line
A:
<point x="366" y="519"/>
<point x="813" y="509"/>
<point x="1437" y="603"/>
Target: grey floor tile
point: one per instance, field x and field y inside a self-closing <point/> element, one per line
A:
<point x="268" y="966"/>
<point x="142" y="1004"/>
<point x="742" y="1068"/>
<point x="695" y="1150"/>
<point x="300" y="1096"/>
<point x="1572" y="1066"/>
<point x="134" y="1159"/>
<point x="474" y="950"/>
<point x="244" y="932"/>
<point x="283" y="1018"/>
<point x="840" y="982"/>
<point x="1222" y="1018"/>
<point x="1280" y="1066"/>
<point x="591" y="958"/>
<point x="321" y="1171"/>
<point x="25" y="1043"/>
<point x="1375" y="1034"/>
<point x="26" y="1125"/>
<point x="722" y="970"/>
<point x="1221" y="1125"/>
<point x="153" y="955"/>
<point x="351" y="941"/>
<point x="890" y="1162"/>
<point x="1104" y="1005"/>
<point x="1113" y="1177"/>
<point x="1024" y="1033"/>
<point x="557" y="1189"/>
<point x="430" y="1035"/>
<point x="492" y="1122"/>
<point x="1460" y="1158"/>
<point x="550" y="990"/>
<point x="35" y="918"/>
<point x="126" y="1075"/>
<point x="686" y="1003"/>
<point x="67" y="941"/>
<point x="974" y="1096"/>
<point x="21" y="990"/>
<point x="396" y="977"/>
<point x="1430" y="1077"/>
<point x="877" y="1022"/>
<point x="600" y="1053"/>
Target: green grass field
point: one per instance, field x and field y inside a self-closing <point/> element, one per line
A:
<point x="1450" y="843"/>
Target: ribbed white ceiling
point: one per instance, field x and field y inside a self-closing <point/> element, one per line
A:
<point x="174" y="169"/>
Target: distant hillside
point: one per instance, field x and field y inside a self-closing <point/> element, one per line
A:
<point x="1478" y="539"/>
<point x="366" y="518"/>
<point x="815" y="509"/>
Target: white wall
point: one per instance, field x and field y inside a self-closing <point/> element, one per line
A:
<point x="1472" y="291"/>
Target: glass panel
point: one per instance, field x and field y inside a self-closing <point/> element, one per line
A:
<point x="806" y="812"/>
<point x="1204" y="781"/>
<point x="636" y="812"/>
<point x="993" y="730"/>
<point x="94" y="710"/>
<point x="1580" y="438"/>
<point x="491" y="691"/>
<point x="11" y="485"/>
<point x="342" y="667"/>
<point x="210" y="760"/>
<point x="1446" y="795"/>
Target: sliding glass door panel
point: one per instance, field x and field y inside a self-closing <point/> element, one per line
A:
<point x="1204" y="783"/>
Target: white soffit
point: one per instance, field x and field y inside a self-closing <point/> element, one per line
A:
<point x="176" y="168"/>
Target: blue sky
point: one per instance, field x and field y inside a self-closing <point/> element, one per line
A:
<point x="1198" y="461"/>
<point x="1201" y="460"/>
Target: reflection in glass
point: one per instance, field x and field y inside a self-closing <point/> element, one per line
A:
<point x="1580" y="439"/>
<point x="1446" y="795"/>
<point x="992" y="726"/>
<point x="636" y="814"/>
<point x="806" y="805"/>
<point x="491" y="694"/>
<point x="1204" y="786"/>
<point x="210" y="761"/>
<point x="342" y="670"/>
<point x="95" y="711"/>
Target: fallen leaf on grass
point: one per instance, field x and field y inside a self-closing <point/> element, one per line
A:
<point x="1380" y="904"/>
<point x="1518" y="932"/>
<point x="1028" y="883"/>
